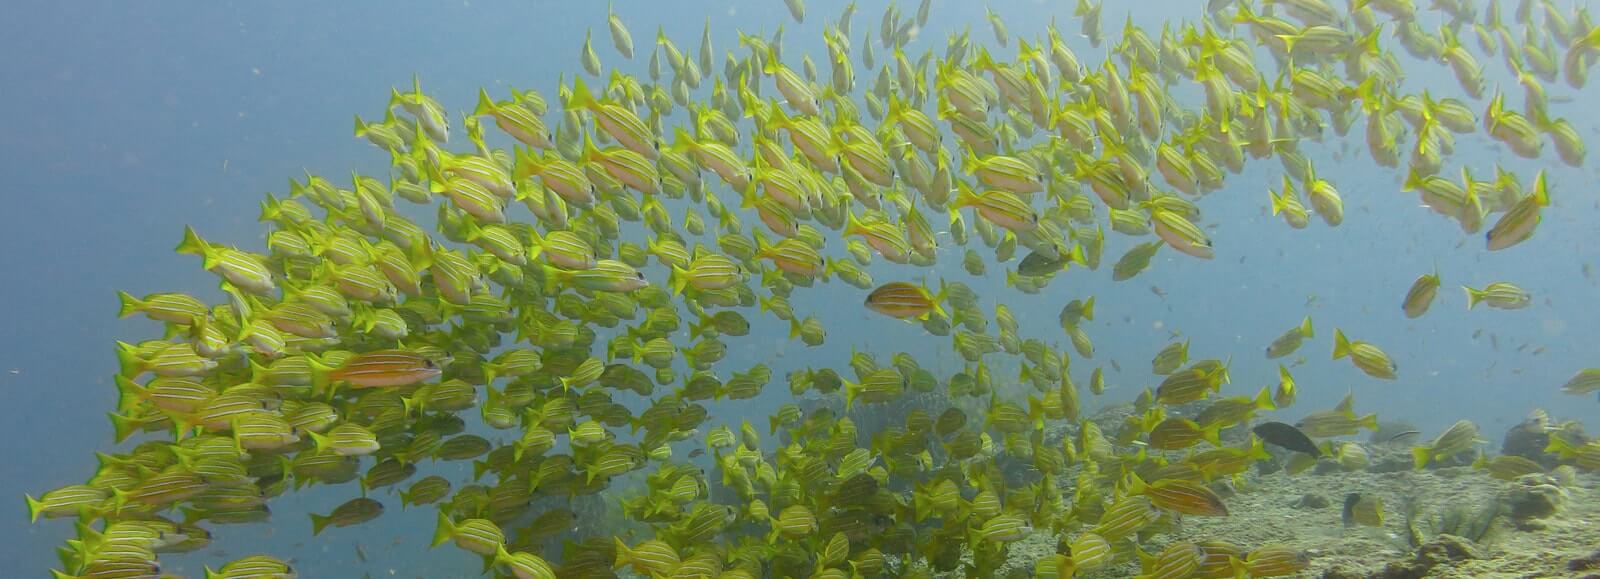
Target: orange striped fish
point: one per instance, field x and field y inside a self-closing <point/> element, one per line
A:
<point x="1178" y="433"/>
<point x="380" y="369"/>
<point x="1220" y="561"/>
<point x="1276" y="561"/>
<point x="1176" y="561"/>
<point x="1181" y="496"/>
<point x="904" y="300"/>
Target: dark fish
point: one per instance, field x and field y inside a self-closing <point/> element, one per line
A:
<point x="1286" y="436"/>
<point x="1037" y="264"/>
<point x="1395" y="432"/>
<point x="1403" y="437"/>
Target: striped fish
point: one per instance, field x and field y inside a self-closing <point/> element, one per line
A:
<point x="794" y="521"/>
<point x="1001" y="529"/>
<point x="652" y="557"/>
<point x="886" y="238"/>
<point x="65" y="501"/>
<point x="1182" y="496"/>
<point x="903" y="300"/>
<point x="792" y="256"/>
<point x="253" y="567"/>
<point x="244" y="270"/>
<point x="1220" y="560"/>
<point x="1126" y="516"/>
<point x="479" y="536"/>
<point x="999" y="207"/>
<point x="709" y="272"/>
<point x="1090" y="551"/>
<point x="618" y="122"/>
<point x="1276" y="561"/>
<point x="380" y="369"/>
<point x="1002" y="172"/>
<point x="1499" y="295"/>
<point x="1518" y="223"/>
<point x="348" y="439"/>
<point x="1367" y="357"/>
<point x="1177" y="561"/>
<point x="172" y="308"/>
<point x="519" y="122"/>
<point x="426" y="491"/>
<point x="353" y="512"/>
<point x="625" y="165"/>
<point x="1178" y="433"/>
<point x="564" y="249"/>
<point x="1180" y="233"/>
<point x="1585" y="381"/>
<point x="161" y="489"/>
<point x="565" y="178"/>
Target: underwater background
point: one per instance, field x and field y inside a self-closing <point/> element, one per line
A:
<point x="128" y="121"/>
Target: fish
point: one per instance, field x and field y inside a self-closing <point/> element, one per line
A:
<point x="479" y="536"/>
<point x="66" y="501"/>
<point x="1289" y="341"/>
<point x="1340" y="421"/>
<point x="1519" y="222"/>
<point x="1507" y="466"/>
<point x="377" y="369"/>
<point x="375" y="335"/>
<point x="904" y="300"/>
<point x="1135" y="261"/>
<point x="1170" y="358"/>
<point x="1499" y="295"/>
<point x="1181" y="496"/>
<point x="352" y="512"/>
<point x="1286" y="436"/>
<point x="348" y="439"/>
<point x="1177" y="560"/>
<point x="253" y="566"/>
<point x="426" y="491"/>
<point x="1585" y="381"/>
<point x="1421" y="295"/>
<point x="1368" y="358"/>
<point x="1276" y="561"/>
<point x="1460" y="437"/>
<point x="620" y="37"/>
<point x="174" y="308"/>
<point x="524" y="565"/>
<point x="1362" y="509"/>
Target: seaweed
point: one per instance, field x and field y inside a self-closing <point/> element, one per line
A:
<point x="1409" y="508"/>
<point x="1479" y="526"/>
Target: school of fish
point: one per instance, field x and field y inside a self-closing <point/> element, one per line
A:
<point x="585" y="335"/>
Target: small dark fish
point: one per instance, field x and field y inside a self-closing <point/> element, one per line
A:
<point x="1394" y="433"/>
<point x="1286" y="436"/>
<point x="1403" y="437"/>
<point x="1037" y="264"/>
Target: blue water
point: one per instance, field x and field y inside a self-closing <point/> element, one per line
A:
<point x="127" y="121"/>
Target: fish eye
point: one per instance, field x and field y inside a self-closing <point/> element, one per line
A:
<point x="426" y="363"/>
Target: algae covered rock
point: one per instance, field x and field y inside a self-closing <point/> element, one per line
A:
<point x="1534" y="496"/>
<point x="1528" y="438"/>
<point x="1441" y="550"/>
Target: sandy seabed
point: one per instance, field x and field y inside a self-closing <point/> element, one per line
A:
<point x="1272" y="509"/>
